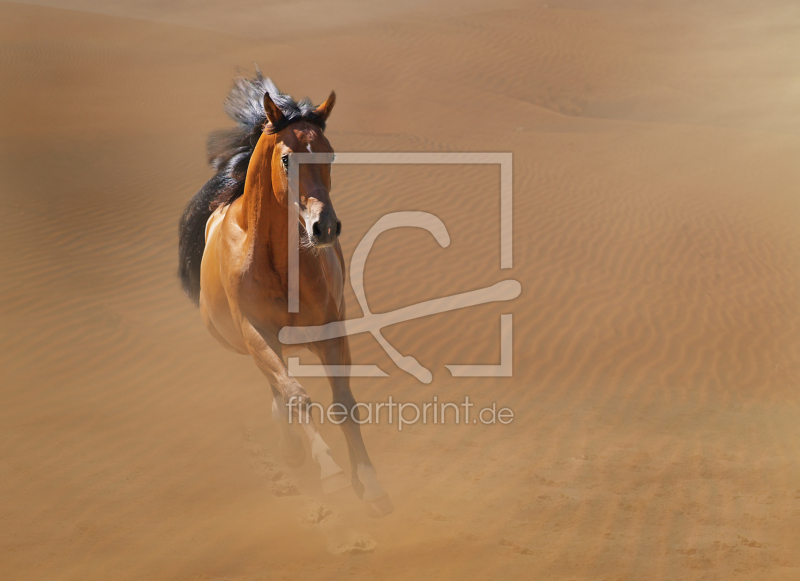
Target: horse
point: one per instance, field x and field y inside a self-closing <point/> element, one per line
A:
<point x="233" y="264"/>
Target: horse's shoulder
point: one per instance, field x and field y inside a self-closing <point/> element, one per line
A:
<point x="214" y="220"/>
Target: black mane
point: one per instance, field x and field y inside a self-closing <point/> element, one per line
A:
<point x="229" y="153"/>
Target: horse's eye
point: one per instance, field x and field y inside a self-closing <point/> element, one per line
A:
<point x="285" y="160"/>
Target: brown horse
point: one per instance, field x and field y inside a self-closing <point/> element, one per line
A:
<point x="234" y="248"/>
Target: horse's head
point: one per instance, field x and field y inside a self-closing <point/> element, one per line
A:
<point x="320" y="225"/>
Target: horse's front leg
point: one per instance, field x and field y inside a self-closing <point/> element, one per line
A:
<point x="364" y="476"/>
<point x="265" y="350"/>
<point x="290" y="444"/>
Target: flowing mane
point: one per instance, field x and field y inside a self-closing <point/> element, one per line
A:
<point x="229" y="153"/>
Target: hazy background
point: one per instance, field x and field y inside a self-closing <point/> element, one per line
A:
<point x="656" y="346"/>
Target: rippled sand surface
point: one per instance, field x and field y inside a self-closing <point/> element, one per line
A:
<point x="656" y="341"/>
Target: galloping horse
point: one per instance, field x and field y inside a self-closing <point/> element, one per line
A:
<point x="234" y="264"/>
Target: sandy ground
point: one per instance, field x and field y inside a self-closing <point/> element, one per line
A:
<point x="656" y="340"/>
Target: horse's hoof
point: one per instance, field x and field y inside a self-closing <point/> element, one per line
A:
<point x="358" y="487"/>
<point x="293" y="455"/>
<point x="379" y="507"/>
<point x="294" y="461"/>
<point x="334" y="483"/>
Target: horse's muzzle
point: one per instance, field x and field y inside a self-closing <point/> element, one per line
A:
<point x="325" y="230"/>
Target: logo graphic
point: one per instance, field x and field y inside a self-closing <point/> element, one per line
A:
<point x="374" y="322"/>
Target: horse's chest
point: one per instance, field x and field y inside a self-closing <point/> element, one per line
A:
<point x="332" y="274"/>
<point x="321" y="288"/>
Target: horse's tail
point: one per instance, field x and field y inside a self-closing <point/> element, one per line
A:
<point x="229" y="153"/>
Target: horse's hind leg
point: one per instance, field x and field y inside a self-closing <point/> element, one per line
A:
<point x="297" y="403"/>
<point x="290" y="444"/>
<point x="364" y="476"/>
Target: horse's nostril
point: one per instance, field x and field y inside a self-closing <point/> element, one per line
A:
<point x="315" y="230"/>
<point x="338" y="227"/>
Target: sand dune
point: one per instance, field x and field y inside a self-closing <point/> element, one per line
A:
<point x="656" y="345"/>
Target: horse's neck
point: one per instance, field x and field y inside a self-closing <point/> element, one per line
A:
<point x="268" y="231"/>
<point x="267" y="228"/>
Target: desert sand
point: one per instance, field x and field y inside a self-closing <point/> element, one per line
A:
<point x="656" y="342"/>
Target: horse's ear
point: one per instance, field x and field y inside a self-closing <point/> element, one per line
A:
<point x="274" y="114"/>
<point x="325" y="109"/>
